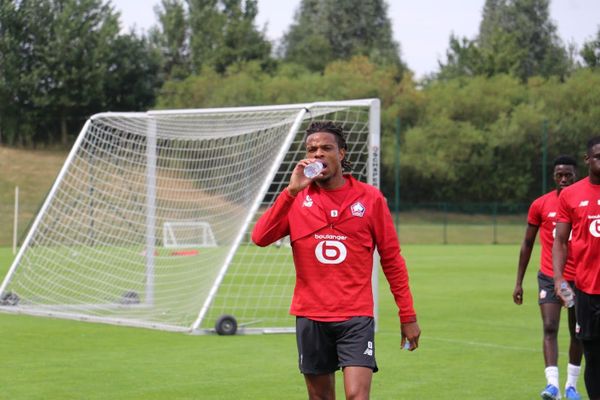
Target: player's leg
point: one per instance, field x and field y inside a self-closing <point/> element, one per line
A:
<point x="320" y="387"/>
<point x="356" y="352"/>
<point x="550" y="307"/>
<point x="317" y="358"/>
<point x="591" y="349"/>
<point x="357" y="382"/>
<point x="587" y="308"/>
<point x="575" y="355"/>
<point x="550" y="321"/>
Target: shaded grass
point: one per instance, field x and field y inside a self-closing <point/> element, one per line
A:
<point x="476" y="344"/>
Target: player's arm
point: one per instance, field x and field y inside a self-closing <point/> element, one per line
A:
<point x="524" y="257"/>
<point x="273" y="224"/>
<point x="559" y="255"/>
<point x="394" y="268"/>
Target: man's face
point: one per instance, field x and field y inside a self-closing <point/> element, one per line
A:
<point x="564" y="175"/>
<point x="323" y="147"/>
<point x="592" y="159"/>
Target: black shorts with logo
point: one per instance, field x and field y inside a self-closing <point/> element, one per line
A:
<point x="325" y="347"/>
<point x="546" y="289"/>
<point x="587" y="311"/>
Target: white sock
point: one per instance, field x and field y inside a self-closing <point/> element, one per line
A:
<point x="552" y="375"/>
<point x="572" y="375"/>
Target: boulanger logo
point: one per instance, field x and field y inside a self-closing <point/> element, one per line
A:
<point x="331" y="250"/>
<point x="595" y="228"/>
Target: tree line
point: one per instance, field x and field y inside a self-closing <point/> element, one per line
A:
<point x="473" y="131"/>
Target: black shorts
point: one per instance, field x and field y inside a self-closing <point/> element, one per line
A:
<point x="546" y="292"/>
<point x="587" y="311"/>
<point x="325" y="347"/>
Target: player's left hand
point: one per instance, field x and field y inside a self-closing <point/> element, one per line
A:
<point x="410" y="334"/>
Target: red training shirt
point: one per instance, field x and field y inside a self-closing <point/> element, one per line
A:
<point x="580" y="207"/>
<point x="333" y="236"/>
<point x="543" y="213"/>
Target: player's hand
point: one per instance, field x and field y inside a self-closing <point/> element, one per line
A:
<point x="557" y="284"/>
<point x="298" y="181"/>
<point x="410" y="336"/>
<point x="518" y="294"/>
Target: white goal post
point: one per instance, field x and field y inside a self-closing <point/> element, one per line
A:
<point x="148" y="223"/>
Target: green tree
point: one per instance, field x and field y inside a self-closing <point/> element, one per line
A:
<point x="171" y="37"/>
<point x="515" y="37"/>
<point x="328" y="30"/>
<point x="63" y="60"/>
<point x="223" y="33"/>
<point x="591" y="51"/>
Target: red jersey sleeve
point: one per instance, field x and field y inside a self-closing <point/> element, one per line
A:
<point x="392" y="262"/>
<point x="274" y="223"/>
<point x="534" y="216"/>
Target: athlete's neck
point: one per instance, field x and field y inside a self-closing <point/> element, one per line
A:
<point x="335" y="182"/>
<point x="594" y="180"/>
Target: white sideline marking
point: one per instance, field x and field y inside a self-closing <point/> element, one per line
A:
<point x="472" y="343"/>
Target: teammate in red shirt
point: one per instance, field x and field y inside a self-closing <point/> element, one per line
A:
<point x="335" y="223"/>
<point x="579" y="216"/>
<point x="542" y="216"/>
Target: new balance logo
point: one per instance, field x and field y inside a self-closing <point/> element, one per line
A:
<point x="369" y="349"/>
<point x="308" y="202"/>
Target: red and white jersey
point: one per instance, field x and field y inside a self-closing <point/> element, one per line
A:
<point x="333" y="236"/>
<point x="580" y="207"/>
<point x="543" y="213"/>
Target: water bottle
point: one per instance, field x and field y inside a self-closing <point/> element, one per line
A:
<point x="313" y="169"/>
<point x="567" y="293"/>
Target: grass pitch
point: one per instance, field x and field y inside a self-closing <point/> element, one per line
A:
<point x="476" y="344"/>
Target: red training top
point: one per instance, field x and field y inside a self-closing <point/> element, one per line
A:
<point x="580" y="207"/>
<point x="543" y="213"/>
<point x="333" y="236"/>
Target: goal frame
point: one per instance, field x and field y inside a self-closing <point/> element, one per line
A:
<point x="170" y="241"/>
<point x="373" y="178"/>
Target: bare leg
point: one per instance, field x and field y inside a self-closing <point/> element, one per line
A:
<point x="357" y="382"/>
<point x="320" y="387"/>
<point x="550" y="319"/>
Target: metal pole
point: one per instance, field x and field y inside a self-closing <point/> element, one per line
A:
<point x="397" y="174"/>
<point x="544" y="155"/>
<point x="16" y="220"/>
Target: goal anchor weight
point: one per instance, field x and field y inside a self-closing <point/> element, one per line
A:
<point x="226" y="325"/>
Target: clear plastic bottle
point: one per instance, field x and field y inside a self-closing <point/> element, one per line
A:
<point x="567" y="293"/>
<point x="313" y="169"/>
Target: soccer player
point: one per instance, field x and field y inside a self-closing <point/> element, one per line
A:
<point x="542" y="216"/>
<point x="335" y="223"/>
<point x="579" y="216"/>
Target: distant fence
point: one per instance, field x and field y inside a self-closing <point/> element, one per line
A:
<point x="417" y="223"/>
<point x="461" y="223"/>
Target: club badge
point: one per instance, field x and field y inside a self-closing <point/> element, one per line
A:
<point x="357" y="209"/>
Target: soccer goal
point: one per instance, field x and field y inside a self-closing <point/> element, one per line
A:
<point x="180" y="234"/>
<point x="137" y="185"/>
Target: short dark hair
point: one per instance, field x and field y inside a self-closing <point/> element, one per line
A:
<point x="565" y="160"/>
<point x="592" y="142"/>
<point x="337" y="131"/>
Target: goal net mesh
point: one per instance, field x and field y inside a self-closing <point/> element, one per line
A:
<point x="96" y="250"/>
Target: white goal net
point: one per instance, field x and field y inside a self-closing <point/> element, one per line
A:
<point x="148" y="223"/>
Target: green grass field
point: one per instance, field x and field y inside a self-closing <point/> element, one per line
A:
<point x="476" y="344"/>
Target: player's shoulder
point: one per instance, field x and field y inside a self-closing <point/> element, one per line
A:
<point x="366" y="188"/>
<point x="575" y="188"/>
<point x="544" y="201"/>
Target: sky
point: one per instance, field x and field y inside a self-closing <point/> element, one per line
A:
<point x="421" y="27"/>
